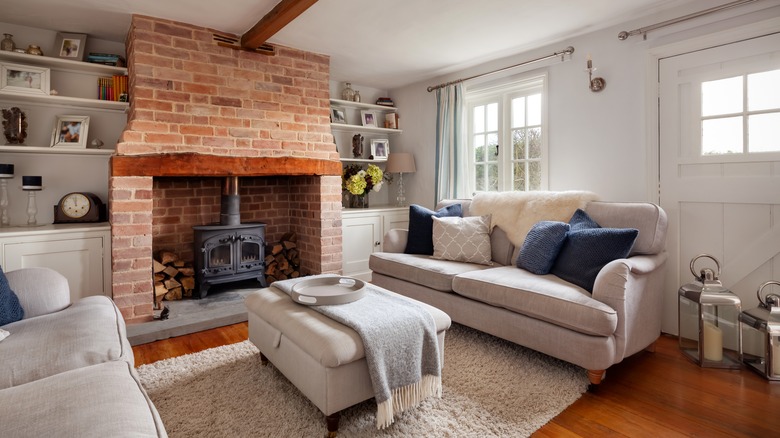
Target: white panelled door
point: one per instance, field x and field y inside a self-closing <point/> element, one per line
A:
<point x="719" y="164"/>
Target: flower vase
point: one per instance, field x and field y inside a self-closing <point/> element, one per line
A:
<point x="358" y="201"/>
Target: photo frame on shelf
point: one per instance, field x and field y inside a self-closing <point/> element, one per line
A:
<point x="368" y="118"/>
<point x="24" y="79"/>
<point x="338" y="115"/>
<point x="380" y="149"/>
<point x="70" y="132"/>
<point x="71" y="46"/>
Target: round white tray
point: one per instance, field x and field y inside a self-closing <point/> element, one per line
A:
<point x="328" y="291"/>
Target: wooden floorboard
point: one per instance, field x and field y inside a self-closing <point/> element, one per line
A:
<point x="659" y="394"/>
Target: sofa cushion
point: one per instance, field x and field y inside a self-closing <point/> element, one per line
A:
<point x="542" y="244"/>
<point x="10" y="309"/>
<point x="544" y="297"/>
<point x="649" y="219"/>
<point x="420" y="269"/>
<point x="420" y="240"/>
<point x="588" y="248"/>
<point x="462" y="239"/>
<point x="88" y="332"/>
<point x="104" y="400"/>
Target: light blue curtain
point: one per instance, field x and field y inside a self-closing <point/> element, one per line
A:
<point x="451" y="171"/>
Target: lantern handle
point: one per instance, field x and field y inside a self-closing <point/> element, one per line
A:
<point x="701" y="277"/>
<point x="770" y="298"/>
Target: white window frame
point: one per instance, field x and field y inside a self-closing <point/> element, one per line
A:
<point x="503" y="91"/>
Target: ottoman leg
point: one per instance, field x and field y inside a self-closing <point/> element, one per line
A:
<point x="333" y="424"/>
<point x="263" y="359"/>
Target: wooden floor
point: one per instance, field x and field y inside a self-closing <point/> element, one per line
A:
<point x="656" y="395"/>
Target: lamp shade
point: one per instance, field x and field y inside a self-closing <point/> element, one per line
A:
<point x="400" y="162"/>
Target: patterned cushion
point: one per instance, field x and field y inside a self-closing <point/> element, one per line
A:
<point x="541" y="247"/>
<point x="462" y="239"/>
<point x="420" y="237"/>
<point x="10" y="309"/>
<point x="587" y="249"/>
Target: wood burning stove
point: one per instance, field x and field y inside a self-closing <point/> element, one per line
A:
<point x="229" y="251"/>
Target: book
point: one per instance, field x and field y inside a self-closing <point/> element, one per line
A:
<point x="113" y="88"/>
<point x="391" y="120"/>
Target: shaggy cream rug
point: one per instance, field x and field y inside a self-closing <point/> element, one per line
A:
<point x="491" y="388"/>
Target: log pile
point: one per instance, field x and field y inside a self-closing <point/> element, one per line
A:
<point x="282" y="259"/>
<point x="173" y="278"/>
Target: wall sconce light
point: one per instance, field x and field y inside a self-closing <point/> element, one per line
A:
<point x="595" y="84"/>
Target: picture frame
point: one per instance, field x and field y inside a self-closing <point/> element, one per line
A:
<point x="368" y="118"/>
<point x="24" y="79"/>
<point x="71" y="46"/>
<point x="380" y="149"/>
<point x="70" y="132"/>
<point x="338" y="115"/>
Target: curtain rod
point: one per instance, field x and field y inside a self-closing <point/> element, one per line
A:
<point x="643" y="30"/>
<point x="567" y="51"/>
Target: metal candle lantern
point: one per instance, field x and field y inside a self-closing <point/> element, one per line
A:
<point x="761" y="334"/>
<point x="708" y="320"/>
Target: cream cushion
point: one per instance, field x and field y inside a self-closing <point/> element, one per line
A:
<point x="462" y="239"/>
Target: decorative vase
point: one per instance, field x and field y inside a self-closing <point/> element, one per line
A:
<point x="32" y="49"/>
<point x="358" y="201"/>
<point x="348" y="93"/>
<point x="357" y="96"/>
<point x="7" y="43"/>
<point x="14" y="125"/>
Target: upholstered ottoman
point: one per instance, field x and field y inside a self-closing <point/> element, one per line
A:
<point x="321" y="357"/>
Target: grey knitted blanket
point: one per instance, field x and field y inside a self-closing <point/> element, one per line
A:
<point x="399" y="339"/>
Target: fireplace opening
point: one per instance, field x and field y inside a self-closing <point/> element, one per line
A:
<point x="229" y="251"/>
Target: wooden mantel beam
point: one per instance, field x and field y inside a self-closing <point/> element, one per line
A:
<point x="281" y="15"/>
<point x="189" y="164"/>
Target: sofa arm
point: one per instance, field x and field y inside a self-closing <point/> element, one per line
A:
<point x="634" y="288"/>
<point x="395" y="240"/>
<point x="40" y="290"/>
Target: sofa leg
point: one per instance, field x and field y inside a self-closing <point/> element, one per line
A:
<point x="263" y="359"/>
<point x="332" y="421"/>
<point x="596" y="376"/>
<point x="650" y="348"/>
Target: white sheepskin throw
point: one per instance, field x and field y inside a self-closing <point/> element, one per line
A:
<point x="517" y="212"/>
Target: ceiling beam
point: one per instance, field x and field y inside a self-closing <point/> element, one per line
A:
<point x="281" y="15"/>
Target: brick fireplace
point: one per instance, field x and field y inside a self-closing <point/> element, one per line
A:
<point x="200" y="112"/>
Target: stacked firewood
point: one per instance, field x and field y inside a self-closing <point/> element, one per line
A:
<point x="282" y="259"/>
<point x="173" y="278"/>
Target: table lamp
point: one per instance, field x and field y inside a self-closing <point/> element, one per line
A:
<point x="400" y="163"/>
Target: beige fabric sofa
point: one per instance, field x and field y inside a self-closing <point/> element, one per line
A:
<point x="67" y="369"/>
<point x="622" y="315"/>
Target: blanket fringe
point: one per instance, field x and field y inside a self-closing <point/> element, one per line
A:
<point x="406" y="397"/>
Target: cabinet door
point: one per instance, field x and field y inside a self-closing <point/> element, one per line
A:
<point x="395" y="219"/>
<point x="79" y="260"/>
<point x="361" y="236"/>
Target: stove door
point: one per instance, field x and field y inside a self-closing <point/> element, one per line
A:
<point x="218" y="255"/>
<point x="250" y="251"/>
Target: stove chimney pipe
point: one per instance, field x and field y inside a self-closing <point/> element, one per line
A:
<point x="230" y="210"/>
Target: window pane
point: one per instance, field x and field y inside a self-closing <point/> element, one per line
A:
<point x="492" y="117"/>
<point x="535" y="109"/>
<point x="535" y="143"/>
<point x="493" y="177"/>
<point x="479" y="118"/>
<point x="480" y="176"/>
<point x="518" y="177"/>
<point x="721" y="97"/>
<point x="518" y="112"/>
<point x="764" y="90"/>
<point x="721" y="136"/>
<point x="764" y="133"/>
<point x="479" y="148"/>
<point x="534" y="175"/>
<point x="518" y="144"/>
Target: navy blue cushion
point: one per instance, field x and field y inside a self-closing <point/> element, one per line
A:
<point x="10" y="309"/>
<point x="589" y="248"/>
<point x="420" y="240"/>
<point x="541" y="246"/>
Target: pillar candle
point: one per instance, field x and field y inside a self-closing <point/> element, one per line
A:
<point x="713" y="342"/>
<point x="776" y="359"/>
<point x="32" y="183"/>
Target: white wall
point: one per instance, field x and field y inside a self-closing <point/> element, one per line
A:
<point x="597" y="141"/>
